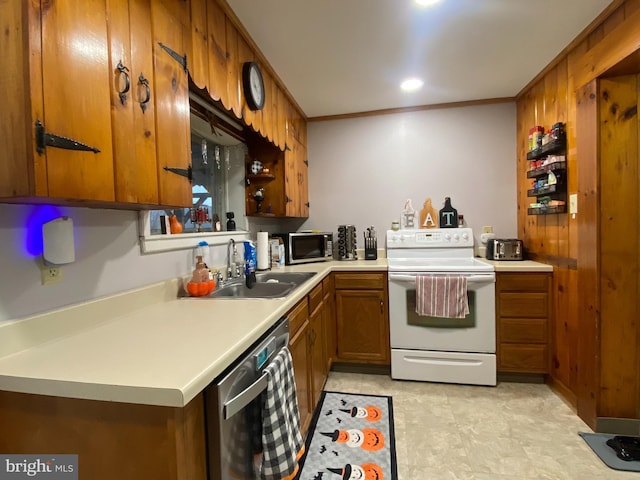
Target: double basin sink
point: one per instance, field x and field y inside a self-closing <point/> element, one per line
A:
<point x="268" y="285"/>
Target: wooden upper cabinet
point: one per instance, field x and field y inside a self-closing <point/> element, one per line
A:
<point x="76" y="100"/>
<point x="199" y="58"/>
<point x="170" y="27"/>
<point x="282" y="119"/>
<point x="132" y="105"/>
<point x="296" y="180"/>
<point x="217" y="33"/>
<point x="234" y="71"/>
<point x="101" y="106"/>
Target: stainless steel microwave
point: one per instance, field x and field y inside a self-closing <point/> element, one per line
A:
<point x="306" y="247"/>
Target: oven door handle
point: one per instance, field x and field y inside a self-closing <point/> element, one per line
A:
<point x="470" y="278"/>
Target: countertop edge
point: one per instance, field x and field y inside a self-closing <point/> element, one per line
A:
<point x="65" y="324"/>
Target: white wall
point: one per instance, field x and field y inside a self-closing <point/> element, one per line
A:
<point x="108" y="259"/>
<point x="362" y="170"/>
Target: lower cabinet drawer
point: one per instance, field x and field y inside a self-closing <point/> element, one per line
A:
<point x="522" y="358"/>
<point x="360" y="280"/>
<point x="524" y="305"/>
<point x="523" y="330"/>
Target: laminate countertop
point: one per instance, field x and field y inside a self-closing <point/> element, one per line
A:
<point x="148" y="346"/>
<point x="518" y="266"/>
<point x="144" y="346"/>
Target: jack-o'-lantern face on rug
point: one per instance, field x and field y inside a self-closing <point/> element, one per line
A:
<point x="369" y="413"/>
<point x="368" y="439"/>
<point x="367" y="471"/>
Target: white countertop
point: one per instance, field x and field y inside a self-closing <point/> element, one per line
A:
<point x="145" y="346"/>
<point x="518" y="265"/>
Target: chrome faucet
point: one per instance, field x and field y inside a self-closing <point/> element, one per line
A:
<point x="231" y="271"/>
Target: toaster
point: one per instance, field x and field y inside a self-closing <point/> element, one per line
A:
<point x="504" y="249"/>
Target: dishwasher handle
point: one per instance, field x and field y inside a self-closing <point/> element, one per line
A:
<point x="244" y="398"/>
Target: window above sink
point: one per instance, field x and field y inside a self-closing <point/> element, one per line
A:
<point x="218" y="186"/>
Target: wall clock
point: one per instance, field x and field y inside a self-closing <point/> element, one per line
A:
<point x="253" y="85"/>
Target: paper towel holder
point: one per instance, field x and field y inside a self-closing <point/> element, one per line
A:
<point x="58" y="245"/>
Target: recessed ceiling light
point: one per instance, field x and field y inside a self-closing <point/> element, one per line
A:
<point x="411" y="84"/>
<point x="426" y="3"/>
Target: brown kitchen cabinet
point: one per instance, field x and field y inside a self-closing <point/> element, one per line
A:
<point x="69" y="136"/>
<point x="317" y="344"/>
<point x="329" y="301"/>
<point x="299" y="347"/>
<point x="285" y="186"/>
<point x="523" y="309"/>
<point x="112" y="440"/>
<point x="308" y="350"/>
<point x="362" y="318"/>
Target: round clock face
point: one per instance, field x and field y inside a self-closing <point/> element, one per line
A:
<point x="253" y="85"/>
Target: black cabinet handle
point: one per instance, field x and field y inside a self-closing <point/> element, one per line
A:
<point x="127" y="83"/>
<point x="145" y="83"/>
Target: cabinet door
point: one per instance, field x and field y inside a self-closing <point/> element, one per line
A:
<point x="169" y="21"/>
<point x="199" y="58"/>
<point x="329" y="310"/>
<point x="76" y="81"/>
<point x="318" y="353"/>
<point x="296" y="180"/>
<point x="216" y="26"/>
<point x="234" y="71"/>
<point x="134" y="131"/>
<point x="299" y="347"/>
<point x="362" y="326"/>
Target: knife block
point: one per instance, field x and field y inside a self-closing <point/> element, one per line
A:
<point x="370" y="248"/>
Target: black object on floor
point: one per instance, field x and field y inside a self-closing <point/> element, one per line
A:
<point x="599" y="443"/>
<point x="627" y="448"/>
<point x="351" y="437"/>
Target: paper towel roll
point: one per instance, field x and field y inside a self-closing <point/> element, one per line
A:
<point x="263" y="251"/>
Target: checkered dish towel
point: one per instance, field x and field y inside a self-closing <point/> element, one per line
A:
<point x="442" y="296"/>
<point x="282" y="442"/>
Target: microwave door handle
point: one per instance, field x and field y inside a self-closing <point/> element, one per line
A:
<point x="245" y="397"/>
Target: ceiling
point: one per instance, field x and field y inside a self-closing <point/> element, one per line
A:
<point x="348" y="56"/>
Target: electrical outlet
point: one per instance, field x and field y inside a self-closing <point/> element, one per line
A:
<point x="487" y="229"/>
<point x="50" y="274"/>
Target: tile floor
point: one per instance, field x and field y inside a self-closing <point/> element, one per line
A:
<point x="513" y="431"/>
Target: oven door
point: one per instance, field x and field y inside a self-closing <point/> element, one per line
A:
<point x="475" y="333"/>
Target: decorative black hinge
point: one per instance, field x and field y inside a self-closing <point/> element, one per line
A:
<point x="306" y="162"/>
<point x="181" y="59"/>
<point x="286" y="148"/>
<point x="308" y="205"/>
<point x="45" y="139"/>
<point x="287" y="199"/>
<point x="184" y="172"/>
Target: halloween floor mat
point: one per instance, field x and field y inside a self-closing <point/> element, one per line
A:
<point x="351" y="437"/>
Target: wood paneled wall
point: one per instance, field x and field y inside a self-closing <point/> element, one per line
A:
<point x="553" y="97"/>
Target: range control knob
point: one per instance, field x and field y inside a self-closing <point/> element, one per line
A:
<point x="465" y="236"/>
<point x="456" y="237"/>
<point x="447" y="237"/>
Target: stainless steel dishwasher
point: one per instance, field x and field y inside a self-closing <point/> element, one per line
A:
<point x="233" y="409"/>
